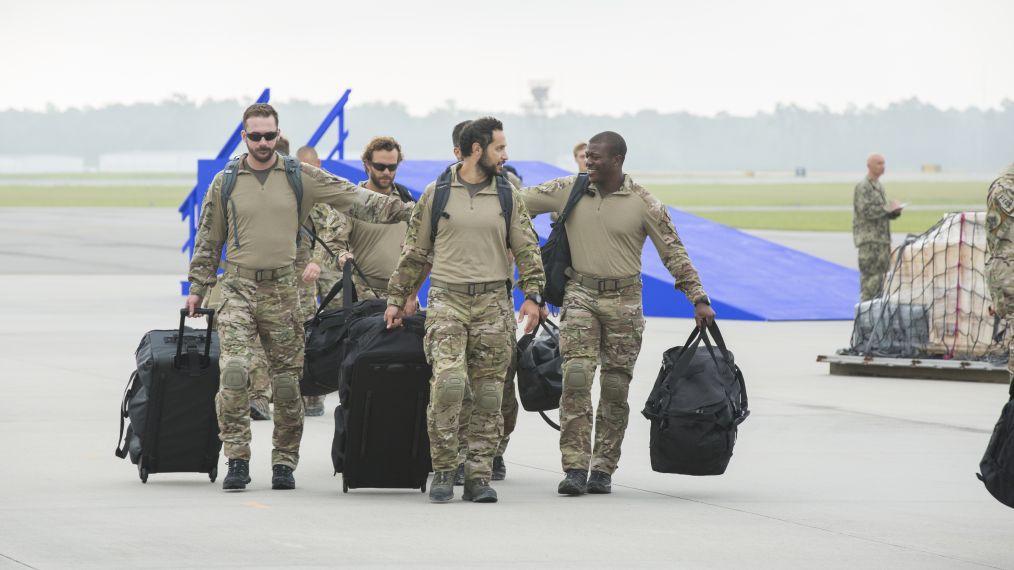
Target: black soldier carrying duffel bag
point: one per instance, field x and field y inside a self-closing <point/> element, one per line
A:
<point x="695" y="408"/>
<point x="996" y="470"/>
<point x="170" y="401"/>
<point x="326" y="334"/>
<point x="540" y="370"/>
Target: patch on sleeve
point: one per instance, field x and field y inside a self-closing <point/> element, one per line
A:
<point x="1004" y="198"/>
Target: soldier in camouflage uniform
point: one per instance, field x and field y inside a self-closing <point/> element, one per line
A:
<point x="469" y="316"/>
<point x="509" y="405"/>
<point x="260" y="298"/>
<point x="871" y="228"/>
<point x="601" y="319"/>
<point x="374" y="247"/>
<point x="328" y="266"/>
<point x="1000" y="250"/>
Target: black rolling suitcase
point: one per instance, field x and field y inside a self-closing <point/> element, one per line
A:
<point x="386" y="388"/>
<point x="170" y="402"/>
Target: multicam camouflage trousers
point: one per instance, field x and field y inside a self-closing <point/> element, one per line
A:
<point x="874" y="260"/>
<point x="260" y="313"/>
<point x="260" y="378"/>
<point x="597" y="326"/>
<point x="508" y="407"/>
<point x="468" y="343"/>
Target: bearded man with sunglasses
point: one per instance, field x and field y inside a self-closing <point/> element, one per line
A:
<point x="375" y="248"/>
<point x="258" y="223"/>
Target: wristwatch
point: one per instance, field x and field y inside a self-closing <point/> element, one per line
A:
<point x="536" y="298"/>
<point x="703" y="299"/>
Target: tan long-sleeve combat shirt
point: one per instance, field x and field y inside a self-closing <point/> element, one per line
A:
<point x="607" y="234"/>
<point x="262" y="219"/>
<point x="470" y="245"/>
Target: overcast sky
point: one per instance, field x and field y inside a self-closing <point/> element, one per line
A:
<point x="701" y="56"/>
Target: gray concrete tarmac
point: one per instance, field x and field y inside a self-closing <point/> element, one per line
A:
<point x="829" y="472"/>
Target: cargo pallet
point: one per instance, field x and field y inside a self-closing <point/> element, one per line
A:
<point x="918" y="368"/>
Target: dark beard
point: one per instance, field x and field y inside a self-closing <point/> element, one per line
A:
<point x="490" y="170"/>
<point x="257" y="153"/>
<point x="376" y="184"/>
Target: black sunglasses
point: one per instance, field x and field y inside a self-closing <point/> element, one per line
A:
<point x="382" y="167"/>
<point x="256" y="137"/>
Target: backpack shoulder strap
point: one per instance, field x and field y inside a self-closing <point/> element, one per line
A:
<point x="505" y="191"/>
<point x="403" y="192"/>
<point x="580" y="185"/>
<point x="294" y="173"/>
<point x="228" y="185"/>
<point x="440" y="195"/>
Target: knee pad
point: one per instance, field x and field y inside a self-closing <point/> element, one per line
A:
<point x="284" y="388"/>
<point x="614" y="388"/>
<point x="488" y="398"/>
<point x="234" y="376"/>
<point x="577" y="374"/>
<point x="450" y="391"/>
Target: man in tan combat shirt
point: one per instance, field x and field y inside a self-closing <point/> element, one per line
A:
<point x="602" y="317"/>
<point x="259" y="226"/>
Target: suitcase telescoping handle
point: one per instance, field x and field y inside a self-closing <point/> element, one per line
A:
<point x="207" y="338"/>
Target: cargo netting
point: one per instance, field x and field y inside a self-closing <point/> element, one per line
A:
<point x="935" y="303"/>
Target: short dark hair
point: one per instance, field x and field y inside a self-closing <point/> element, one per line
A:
<point x="612" y="141"/>
<point x="456" y="133"/>
<point x="381" y="143"/>
<point x="478" y="131"/>
<point x="259" y="110"/>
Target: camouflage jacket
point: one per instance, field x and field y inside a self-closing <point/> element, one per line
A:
<point x="871" y="221"/>
<point x="252" y="218"/>
<point x="1000" y="242"/>
<point x="607" y="234"/>
<point x="460" y="249"/>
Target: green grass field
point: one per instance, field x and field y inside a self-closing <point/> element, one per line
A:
<point x="815" y="194"/>
<point x="92" y="196"/>
<point x="948" y="196"/>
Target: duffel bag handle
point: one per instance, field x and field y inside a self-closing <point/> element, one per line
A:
<point x="207" y="337"/>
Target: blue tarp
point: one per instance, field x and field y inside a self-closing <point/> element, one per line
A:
<point x="747" y="278"/>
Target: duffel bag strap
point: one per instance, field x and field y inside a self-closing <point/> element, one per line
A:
<point x="128" y="392"/>
<point x="551" y="423"/>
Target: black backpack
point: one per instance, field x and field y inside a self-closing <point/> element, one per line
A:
<point x="996" y="470"/>
<point x="556" y="251"/>
<point x="540" y="370"/>
<point x="695" y="408"/>
<point x="293" y="172"/>
<point x="504" y="190"/>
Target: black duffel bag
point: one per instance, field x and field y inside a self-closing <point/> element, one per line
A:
<point x="556" y="250"/>
<point x="540" y="370"/>
<point x="371" y="342"/>
<point x="326" y="334"/>
<point x="996" y="470"/>
<point x="695" y="408"/>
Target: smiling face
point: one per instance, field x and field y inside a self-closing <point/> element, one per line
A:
<point x="263" y="149"/>
<point x="601" y="164"/>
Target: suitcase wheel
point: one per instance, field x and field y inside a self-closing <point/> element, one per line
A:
<point x="423" y="488"/>
<point x="345" y="486"/>
<point x="143" y="471"/>
<point x="214" y="474"/>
